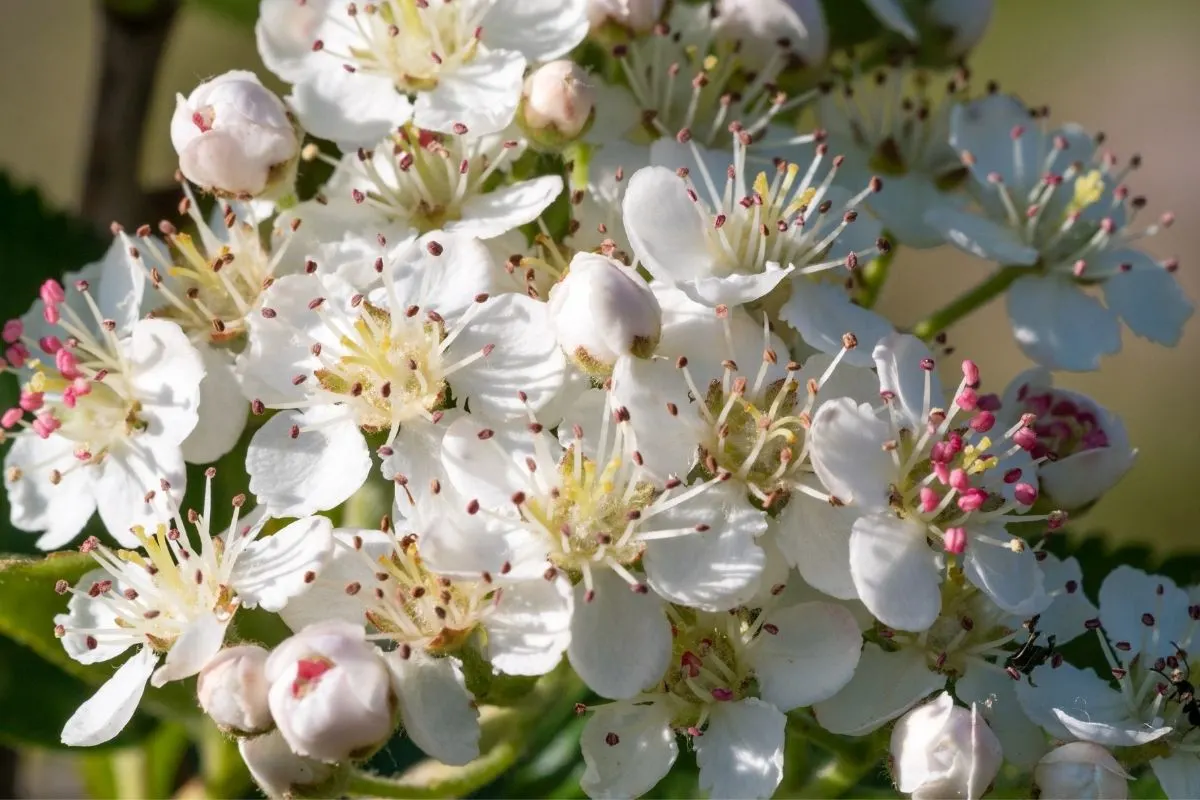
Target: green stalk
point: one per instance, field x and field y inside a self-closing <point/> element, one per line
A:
<point x="967" y="302"/>
<point x="874" y="275"/>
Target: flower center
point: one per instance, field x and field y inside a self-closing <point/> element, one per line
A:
<point x="308" y="674"/>
<point x="1063" y="427"/>
<point x="410" y="42"/>
<point x="704" y="669"/>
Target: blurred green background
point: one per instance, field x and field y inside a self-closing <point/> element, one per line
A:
<point x="1126" y="68"/>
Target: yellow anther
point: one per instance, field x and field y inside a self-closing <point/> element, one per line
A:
<point x="1088" y="189"/>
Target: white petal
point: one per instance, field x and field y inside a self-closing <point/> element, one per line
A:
<point x="195" y="647"/>
<point x="898" y="358"/>
<point x="482" y="94"/>
<point x="1011" y="579"/>
<point x="1149" y="299"/>
<point x="980" y="236"/>
<point x="507" y="208"/>
<point x="126" y="475"/>
<point x="895" y="572"/>
<point x="846" y="440"/>
<point x="884" y="686"/>
<point x="822" y="312"/>
<point x="319" y="469"/>
<point x="1126" y="594"/>
<point x="856" y="383"/>
<point x="486" y="461"/>
<point x="984" y="128"/>
<point x="815" y="538"/>
<point x="541" y="30"/>
<point x="1122" y="733"/>
<point x="275" y="568"/>
<point x="810" y="658"/>
<point x="664" y="226"/>
<point x="108" y="711"/>
<point x="439" y="713"/>
<point x="530" y="628"/>
<point x="891" y="14"/>
<point x="417" y="457"/>
<point x="1078" y="692"/>
<point x="352" y="109"/>
<point x="1064" y="619"/>
<point x="996" y="697"/>
<point x="526" y="357"/>
<point x="326" y="598"/>
<point x="714" y="570"/>
<point x="735" y="289"/>
<point x="86" y="613"/>
<point x="667" y="442"/>
<point x="741" y="751"/>
<point x="447" y="283"/>
<point x="621" y="641"/>
<point x="1178" y="775"/>
<point x="60" y="509"/>
<point x="1059" y="326"/>
<point x="122" y="280"/>
<point x="166" y="371"/>
<point x="641" y="752"/>
<point x="223" y="410"/>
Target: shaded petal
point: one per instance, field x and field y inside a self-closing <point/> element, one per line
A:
<point x="166" y="372"/>
<point x="735" y="289"/>
<point x="439" y="713"/>
<point x="984" y="128"/>
<point x="61" y="508"/>
<point x="1011" y="579"/>
<point x="528" y="631"/>
<point x="481" y="94"/>
<point x="741" y="751"/>
<point x="627" y="749"/>
<point x="664" y="226"/>
<point x="273" y="569"/>
<point x="1122" y="733"/>
<point x="621" y="640"/>
<point x="1148" y="299"/>
<point x="811" y="656"/>
<point x="815" y="538"/>
<point x="540" y="30"/>
<point x="1069" y="608"/>
<point x="108" y="711"/>
<point x="326" y="598"/>
<point x="846" y="441"/>
<point x="195" y="647"/>
<point x="486" y="462"/>
<point x="1059" y="326"/>
<point x="1127" y="594"/>
<point x="1178" y="775"/>
<point x="1079" y="692"/>
<point x="895" y="572"/>
<point x="891" y="14"/>
<point x="995" y="695"/>
<point x="223" y="410"/>
<point x="980" y="236"/>
<point x="353" y="109"/>
<point x="822" y="312"/>
<point x="884" y="686"/>
<point x="507" y="208"/>
<point x="899" y="359"/>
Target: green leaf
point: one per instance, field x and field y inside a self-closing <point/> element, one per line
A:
<point x="38" y="697"/>
<point x="28" y="604"/>
<point x="242" y="12"/>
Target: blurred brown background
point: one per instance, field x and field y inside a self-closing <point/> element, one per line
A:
<point x="1127" y="68"/>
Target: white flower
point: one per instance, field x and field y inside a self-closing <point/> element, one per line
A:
<point x="111" y="397"/>
<point x="589" y="509"/>
<point x="794" y="654"/>
<point x="1082" y="770"/>
<point x="961" y="22"/>
<point x="344" y="363"/>
<point x="462" y="61"/>
<point x="1082" y="448"/>
<point x="176" y="599"/>
<point x="943" y="750"/>
<point x="638" y="16"/>
<point x="383" y="581"/>
<point x="331" y="693"/>
<point x="771" y="30"/>
<point x="927" y="495"/>
<point x="602" y="310"/>
<point x="281" y="773"/>
<point x="973" y="647"/>
<point x="234" y="137"/>
<point x="778" y="241"/>
<point x="1148" y="624"/>
<point x="558" y="102"/>
<point x="232" y="690"/>
<point x="429" y="181"/>
<point x="1049" y="201"/>
<point x="896" y="124"/>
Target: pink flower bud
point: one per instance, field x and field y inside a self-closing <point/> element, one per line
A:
<point x="956" y="541"/>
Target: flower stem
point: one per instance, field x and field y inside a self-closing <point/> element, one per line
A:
<point x="874" y="275"/>
<point x="967" y="302"/>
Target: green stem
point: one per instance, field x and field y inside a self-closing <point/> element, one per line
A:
<point x="853" y="759"/>
<point x="129" y="772"/>
<point x="975" y="297"/>
<point x="578" y="154"/>
<point x="874" y="275"/>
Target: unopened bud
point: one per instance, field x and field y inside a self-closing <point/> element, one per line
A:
<point x="1081" y="769"/>
<point x="331" y="693"/>
<point x="558" y="103"/>
<point x="943" y="750"/>
<point x="232" y="689"/>
<point x="281" y="773"/>
<point x="235" y="137"/>
<point x="602" y="310"/>
<point x="636" y="16"/>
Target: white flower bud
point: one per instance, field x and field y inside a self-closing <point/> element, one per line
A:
<point x="638" y="16"/>
<point x="943" y="750"/>
<point x="232" y="689"/>
<point x="331" y="693"/>
<point x="558" y="102"/>
<point x="964" y="20"/>
<point x="603" y="310"/>
<point x="281" y="773"/>
<point x="1081" y="770"/>
<point x="764" y="25"/>
<point x="234" y="136"/>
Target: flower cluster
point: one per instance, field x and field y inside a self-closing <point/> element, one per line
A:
<point x="592" y="310"/>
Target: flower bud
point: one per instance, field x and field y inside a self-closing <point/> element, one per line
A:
<point x="1081" y="770"/>
<point x="331" y="693"/>
<point x="558" y="103"/>
<point x="234" y="137"/>
<point x="943" y="750"/>
<point x="603" y="310"/>
<point x="764" y="25"/>
<point x="962" y="22"/>
<point x="281" y="773"/>
<point x="636" y="16"/>
<point x="232" y="689"/>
